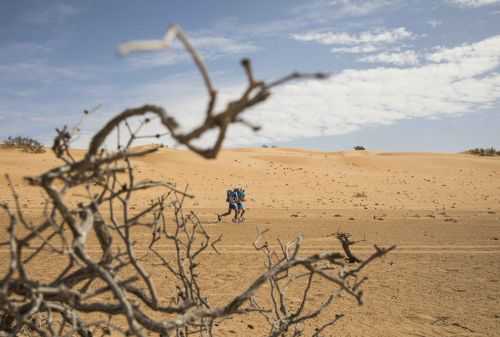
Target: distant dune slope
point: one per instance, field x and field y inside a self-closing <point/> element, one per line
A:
<point x="300" y="179"/>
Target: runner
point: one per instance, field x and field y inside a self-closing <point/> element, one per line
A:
<point x="232" y="200"/>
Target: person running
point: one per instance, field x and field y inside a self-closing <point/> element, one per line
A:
<point x="232" y="200"/>
<point x="240" y="192"/>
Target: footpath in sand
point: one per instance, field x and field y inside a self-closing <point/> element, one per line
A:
<point x="441" y="210"/>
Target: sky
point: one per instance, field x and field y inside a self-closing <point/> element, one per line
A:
<point x="405" y="75"/>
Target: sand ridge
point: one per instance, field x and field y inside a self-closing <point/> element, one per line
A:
<point x="442" y="210"/>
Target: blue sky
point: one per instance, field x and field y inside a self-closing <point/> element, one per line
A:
<point x="406" y="74"/>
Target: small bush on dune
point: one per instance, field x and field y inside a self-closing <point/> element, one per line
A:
<point x="26" y="144"/>
<point x="488" y="152"/>
<point x="359" y="148"/>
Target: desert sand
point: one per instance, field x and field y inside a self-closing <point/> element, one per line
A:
<point x="441" y="210"/>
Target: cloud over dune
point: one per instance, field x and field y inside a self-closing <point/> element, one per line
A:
<point x="368" y="37"/>
<point x="408" y="57"/>
<point x="452" y="81"/>
<point x="445" y="82"/>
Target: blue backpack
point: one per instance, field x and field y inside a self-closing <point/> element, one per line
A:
<point x="241" y="194"/>
<point x="231" y="196"/>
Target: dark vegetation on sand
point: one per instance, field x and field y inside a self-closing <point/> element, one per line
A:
<point x="486" y="152"/>
<point x="26" y="144"/>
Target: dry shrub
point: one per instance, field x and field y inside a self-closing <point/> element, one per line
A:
<point x="484" y="152"/>
<point x="26" y="144"/>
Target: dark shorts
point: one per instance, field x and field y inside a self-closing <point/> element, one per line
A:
<point x="241" y="205"/>
<point x="232" y="206"/>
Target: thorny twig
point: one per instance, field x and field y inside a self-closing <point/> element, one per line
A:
<point x="290" y="312"/>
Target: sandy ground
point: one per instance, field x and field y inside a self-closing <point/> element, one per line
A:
<point x="442" y="210"/>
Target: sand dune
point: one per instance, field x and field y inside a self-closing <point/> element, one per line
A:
<point x="442" y="210"/>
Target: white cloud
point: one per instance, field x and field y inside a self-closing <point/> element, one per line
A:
<point x="368" y="37"/>
<point x="320" y="10"/>
<point x="362" y="43"/>
<point x="454" y="81"/>
<point x="449" y="81"/>
<point x="435" y="23"/>
<point x="360" y="7"/>
<point x="356" y="49"/>
<point x="302" y="16"/>
<point x="473" y="3"/>
<point x="481" y="52"/>
<point x="408" y="57"/>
